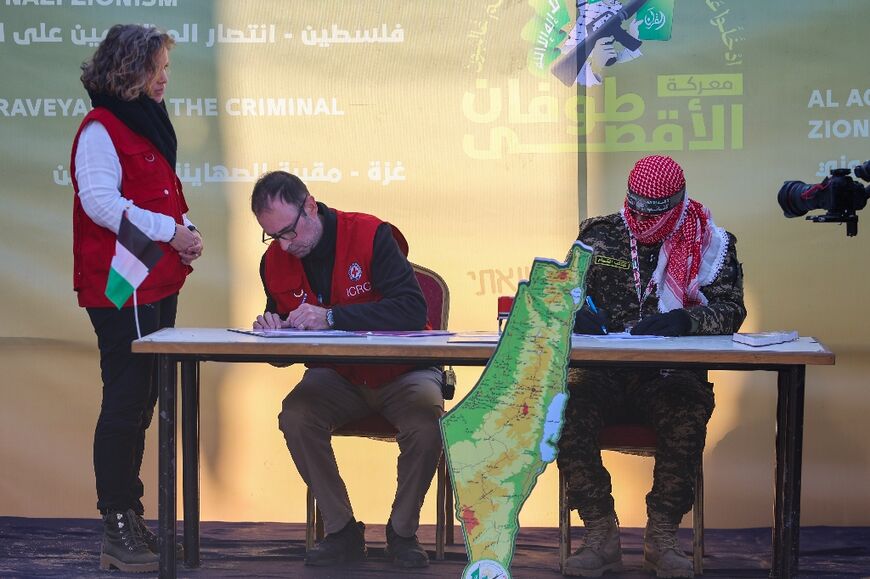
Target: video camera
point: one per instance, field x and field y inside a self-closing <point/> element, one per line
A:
<point x="840" y="195"/>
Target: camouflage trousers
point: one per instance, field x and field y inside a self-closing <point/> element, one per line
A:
<point x="676" y="403"/>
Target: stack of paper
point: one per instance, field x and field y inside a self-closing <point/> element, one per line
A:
<point x="765" y="338"/>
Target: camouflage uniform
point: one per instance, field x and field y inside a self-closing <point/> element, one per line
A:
<point x="677" y="403"/>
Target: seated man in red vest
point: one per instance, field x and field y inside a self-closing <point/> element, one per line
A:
<point x="324" y="269"/>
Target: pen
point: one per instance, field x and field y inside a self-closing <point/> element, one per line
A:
<point x="594" y="310"/>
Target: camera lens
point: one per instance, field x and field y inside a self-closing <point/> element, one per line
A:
<point x="790" y="198"/>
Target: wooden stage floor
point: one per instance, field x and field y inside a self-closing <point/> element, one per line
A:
<point x="70" y="548"/>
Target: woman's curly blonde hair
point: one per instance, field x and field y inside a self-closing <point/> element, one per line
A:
<point x="126" y="61"/>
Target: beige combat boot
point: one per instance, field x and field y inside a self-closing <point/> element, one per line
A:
<point x="600" y="550"/>
<point x="661" y="550"/>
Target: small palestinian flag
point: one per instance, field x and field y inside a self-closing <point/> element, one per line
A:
<point x="135" y="255"/>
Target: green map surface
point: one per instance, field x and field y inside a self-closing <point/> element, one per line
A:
<point x="504" y="433"/>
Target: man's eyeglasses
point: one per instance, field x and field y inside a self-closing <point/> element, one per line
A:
<point x="289" y="232"/>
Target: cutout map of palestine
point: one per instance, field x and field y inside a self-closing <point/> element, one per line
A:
<point x="503" y="434"/>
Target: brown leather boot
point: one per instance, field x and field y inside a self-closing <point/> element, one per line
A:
<point x="600" y="550"/>
<point x="123" y="546"/>
<point x="661" y="550"/>
<point x="151" y="539"/>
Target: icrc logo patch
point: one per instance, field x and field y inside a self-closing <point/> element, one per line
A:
<point x="354" y="272"/>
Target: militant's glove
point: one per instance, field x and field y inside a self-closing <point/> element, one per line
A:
<point x="585" y="322"/>
<point x="672" y="323"/>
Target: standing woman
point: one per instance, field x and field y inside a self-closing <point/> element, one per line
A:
<point x="123" y="161"/>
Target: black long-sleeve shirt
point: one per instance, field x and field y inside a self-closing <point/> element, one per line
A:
<point x="402" y="305"/>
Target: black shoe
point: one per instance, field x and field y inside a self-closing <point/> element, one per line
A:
<point x="405" y="551"/>
<point x="152" y="541"/>
<point x="348" y="544"/>
<point x="123" y="545"/>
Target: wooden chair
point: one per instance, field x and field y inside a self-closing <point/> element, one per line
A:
<point x="640" y="440"/>
<point x="377" y="427"/>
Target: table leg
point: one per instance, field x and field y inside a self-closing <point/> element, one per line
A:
<point x="448" y="508"/>
<point x="564" y="522"/>
<point x="190" y="459"/>
<point x="789" y="444"/>
<point x="166" y="378"/>
<point x="440" y="501"/>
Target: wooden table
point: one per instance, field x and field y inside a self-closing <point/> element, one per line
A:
<point x="190" y="346"/>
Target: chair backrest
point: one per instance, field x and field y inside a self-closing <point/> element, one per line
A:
<point x="437" y="310"/>
<point x="437" y="296"/>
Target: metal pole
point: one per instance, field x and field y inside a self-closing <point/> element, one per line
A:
<point x="190" y="459"/>
<point x="166" y="378"/>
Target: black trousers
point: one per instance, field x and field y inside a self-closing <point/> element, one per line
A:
<point x="129" y="396"/>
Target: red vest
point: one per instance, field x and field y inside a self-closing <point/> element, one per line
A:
<point x="351" y="284"/>
<point x="150" y="183"/>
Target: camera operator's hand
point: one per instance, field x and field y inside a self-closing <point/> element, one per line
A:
<point x="672" y="323"/>
<point x="586" y="322"/>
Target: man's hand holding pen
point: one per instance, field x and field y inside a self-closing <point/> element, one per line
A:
<point x="590" y="319"/>
<point x="305" y="317"/>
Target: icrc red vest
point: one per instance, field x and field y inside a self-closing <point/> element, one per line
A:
<point x="351" y="284"/>
<point x="150" y="183"/>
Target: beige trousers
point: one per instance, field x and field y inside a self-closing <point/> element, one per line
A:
<point x="323" y="401"/>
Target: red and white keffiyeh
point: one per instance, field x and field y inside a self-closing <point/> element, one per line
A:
<point x="693" y="247"/>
